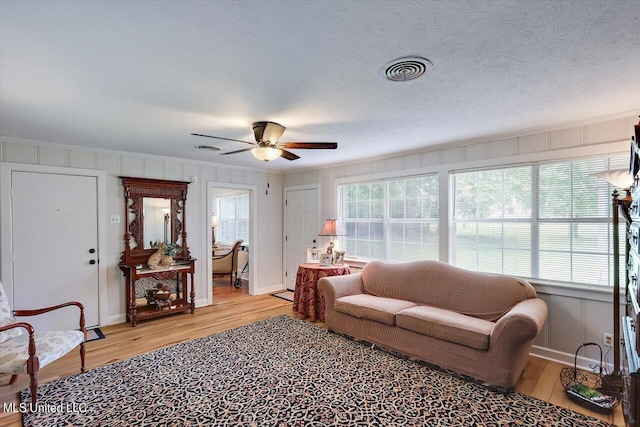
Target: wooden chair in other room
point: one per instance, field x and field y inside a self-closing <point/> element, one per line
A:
<point x="28" y="352"/>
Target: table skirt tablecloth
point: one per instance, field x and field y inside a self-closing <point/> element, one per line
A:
<point x="308" y="302"/>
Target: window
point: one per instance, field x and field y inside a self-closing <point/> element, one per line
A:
<point x="548" y="221"/>
<point x="393" y="220"/>
<point x="233" y="218"/>
<point x="492" y="220"/>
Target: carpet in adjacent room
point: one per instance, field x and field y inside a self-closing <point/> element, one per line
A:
<point x="282" y="371"/>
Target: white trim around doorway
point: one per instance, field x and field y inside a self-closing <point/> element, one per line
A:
<point x="253" y="233"/>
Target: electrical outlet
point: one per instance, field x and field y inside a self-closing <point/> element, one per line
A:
<point x="607" y="340"/>
<point x="115" y="219"/>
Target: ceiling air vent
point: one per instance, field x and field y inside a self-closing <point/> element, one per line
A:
<point x="207" y="147"/>
<point x="405" y="68"/>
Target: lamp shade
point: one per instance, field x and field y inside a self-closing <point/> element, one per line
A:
<point x="331" y="228"/>
<point x="214" y="220"/>
<point x="266" y="153"/>
<point x="619" y="178"/>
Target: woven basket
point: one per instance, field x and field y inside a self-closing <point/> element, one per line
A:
<point x="585" y="388"/>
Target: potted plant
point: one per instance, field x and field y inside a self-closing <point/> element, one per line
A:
<point x="170" y="250"/>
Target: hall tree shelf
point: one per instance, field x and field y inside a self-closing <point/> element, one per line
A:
<point x="154" y="212"/>
<point x="631" y="317"/>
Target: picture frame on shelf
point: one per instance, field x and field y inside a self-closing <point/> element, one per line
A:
<point x="325" y="259"/>
<point x="338" y="258"/>
<point x="313" y="256"/>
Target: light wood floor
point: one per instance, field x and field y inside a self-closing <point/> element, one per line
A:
<point x="232" y="308"/>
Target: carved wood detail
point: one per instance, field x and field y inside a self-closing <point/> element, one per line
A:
<point x="135" y="190"/>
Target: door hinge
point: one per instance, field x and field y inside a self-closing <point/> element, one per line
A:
<point x="286" y="238"/>
<point x="286" y="202"/>
<point x="286" y="274"/>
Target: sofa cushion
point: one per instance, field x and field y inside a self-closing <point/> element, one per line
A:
<point x="438" y="284"/>
<point x="370" y="307"/>
<point x="446" y="325"/>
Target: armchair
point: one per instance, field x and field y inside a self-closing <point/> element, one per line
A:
<point x="22" y="352"/>
<point x="227" y="263"/>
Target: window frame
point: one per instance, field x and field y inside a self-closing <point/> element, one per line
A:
<point x="386" y="220"/>
<point x="537" y="220"/>
<point x="236" y="220"/>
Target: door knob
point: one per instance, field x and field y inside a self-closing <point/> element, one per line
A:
<point x="93" y="261"/>
<point x="91" y="251"/>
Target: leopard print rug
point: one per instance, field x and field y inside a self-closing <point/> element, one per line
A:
<point x="281" y="372"/>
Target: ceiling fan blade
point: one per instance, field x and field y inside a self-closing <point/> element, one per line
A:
<point x="289" y="155"/>
<point x="226" y="139"/>
<point x="309" y="145"/>
<point x="237" y="151"/>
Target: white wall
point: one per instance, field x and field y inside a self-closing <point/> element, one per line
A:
<point x="198" y="219"/>
<point x="575" y="315"/>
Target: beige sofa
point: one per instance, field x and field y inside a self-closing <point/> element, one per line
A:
<point x="475" y="324"/>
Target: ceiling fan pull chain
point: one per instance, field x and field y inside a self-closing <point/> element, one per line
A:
<point x="267" y="190"/>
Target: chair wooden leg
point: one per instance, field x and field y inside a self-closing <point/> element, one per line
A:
<point x="82" y="353"/>
<point x="33" y="385"/>
<point x="13" y="379"/>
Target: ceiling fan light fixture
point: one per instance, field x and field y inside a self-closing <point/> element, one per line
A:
<point x="266" y="153"/>
<point x="267" y="131"/>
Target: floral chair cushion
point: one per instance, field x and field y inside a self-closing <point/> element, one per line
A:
<point x="6" y="318"/>
<point x="49" y="347"/>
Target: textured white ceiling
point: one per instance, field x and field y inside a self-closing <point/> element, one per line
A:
<point x="141" y="76"/>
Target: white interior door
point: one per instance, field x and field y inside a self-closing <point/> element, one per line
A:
<point x="301" y="229"/>
<point x="54" y="230"/>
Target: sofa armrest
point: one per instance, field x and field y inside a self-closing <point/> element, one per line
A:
<point x="522" y="323"/>
<point x="334" y="287"/>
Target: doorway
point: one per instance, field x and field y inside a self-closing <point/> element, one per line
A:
<point x="231" y="218"/>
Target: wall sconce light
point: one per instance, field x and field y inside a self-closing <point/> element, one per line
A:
<point x="214" y="224"/>
<point x="167" y="219"/>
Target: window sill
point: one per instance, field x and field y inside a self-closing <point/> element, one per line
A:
<point x="588" y="292"/>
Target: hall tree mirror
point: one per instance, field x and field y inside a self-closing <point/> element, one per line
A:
<point x="154" y="213"/>
<point x="157" y="221"/>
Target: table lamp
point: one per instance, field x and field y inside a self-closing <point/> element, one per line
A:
<point x="332" y="229"/>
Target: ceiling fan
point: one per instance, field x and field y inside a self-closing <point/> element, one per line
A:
<point x="267" y="146"/>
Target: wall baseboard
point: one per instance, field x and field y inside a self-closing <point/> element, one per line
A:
<point x="270" y="289"/>
<point x="584" y="363"/>
<point x="118" y="318"/>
